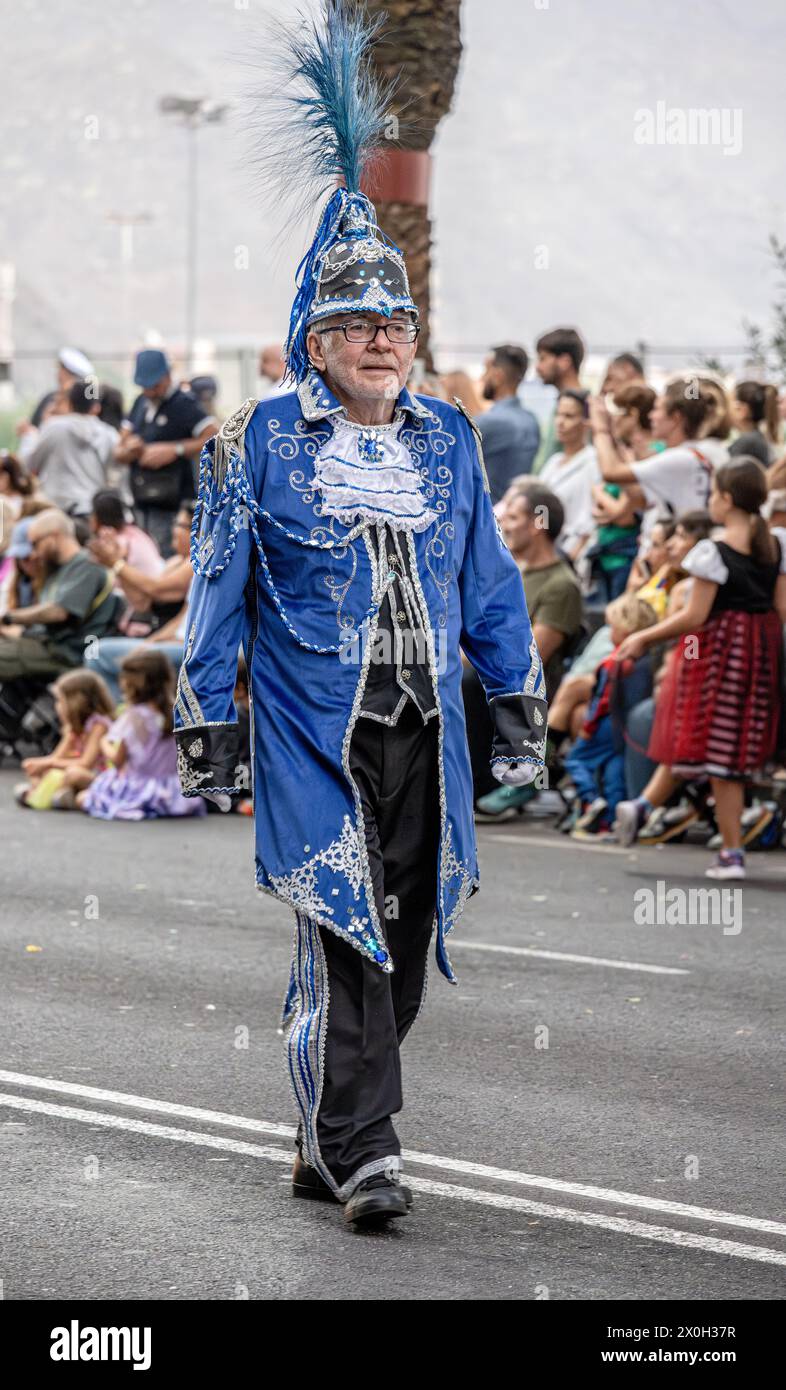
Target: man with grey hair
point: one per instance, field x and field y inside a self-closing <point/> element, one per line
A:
<point x="345" y="534"/>
<point x="76" y="604"/>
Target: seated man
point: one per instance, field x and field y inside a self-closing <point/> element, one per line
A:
<point x="76" y="607"/>
<point x="531" y="522"/>
<point x="164" y="595"/>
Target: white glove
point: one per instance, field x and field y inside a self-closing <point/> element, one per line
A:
<point x="220" y="799"/>
<point x="516" y="774"/>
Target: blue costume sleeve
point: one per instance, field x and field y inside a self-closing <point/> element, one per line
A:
<point x="497" y="635"/>
<point x="222" y="555"/>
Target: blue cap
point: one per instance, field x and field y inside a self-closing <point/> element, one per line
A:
<point x="20" y="547"/>
<point x="151" y="365"/>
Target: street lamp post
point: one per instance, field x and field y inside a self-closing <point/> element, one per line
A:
<point x="193" y="112"/>
<point x="127" y="221"/>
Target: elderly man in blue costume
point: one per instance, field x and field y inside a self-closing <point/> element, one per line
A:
<point x="345" y="536"/>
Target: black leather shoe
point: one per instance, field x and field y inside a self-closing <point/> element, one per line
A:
<point x="306" y="1182"/>
<point x="375" y="1200"/>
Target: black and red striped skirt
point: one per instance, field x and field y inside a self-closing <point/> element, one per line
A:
<point x="718" y="707"/>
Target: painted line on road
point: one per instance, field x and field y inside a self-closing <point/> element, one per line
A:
<point x="158" y="1107"/>
<point x="455" y="1165"/>
<point x="620" y="1225"/>
<point x="545" y="842"/>
<point x="551" y="841"/>
<point x="567" y="955"/>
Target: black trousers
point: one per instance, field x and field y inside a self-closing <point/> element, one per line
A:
<point x="480" y="732"/>
<point x="362" y="1015"/>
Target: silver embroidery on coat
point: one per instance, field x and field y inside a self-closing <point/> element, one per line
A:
<point x="190" y="780"/>
<point x="342" y="856"/>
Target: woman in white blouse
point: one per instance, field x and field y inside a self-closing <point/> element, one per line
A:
<point x="573" y="472"/>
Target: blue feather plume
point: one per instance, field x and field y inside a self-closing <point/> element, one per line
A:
<point x="318" y="115"/>
<point x="319" y="129"/>
<point x="342" y="108"/>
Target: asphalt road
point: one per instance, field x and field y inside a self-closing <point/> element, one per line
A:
<point x="576" y="1126"/>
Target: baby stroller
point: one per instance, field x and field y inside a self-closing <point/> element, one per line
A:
<point x="28" y="724"/>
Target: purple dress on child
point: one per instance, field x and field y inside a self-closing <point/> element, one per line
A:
<point x="147" y="784"/>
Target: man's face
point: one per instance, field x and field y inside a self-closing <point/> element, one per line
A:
<point x="547" y="368"/>
<point x="619" y="374"/>
<point x="46" y="549"/>
<point x="569" y="423"/>
<point x="518" y="523"/>
<point x="370" y="371"/>
<point x="490" y="384"/>
<point x="271" y="363"/>
<point x="157" y="392"/>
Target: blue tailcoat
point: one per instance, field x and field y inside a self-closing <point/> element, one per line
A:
<point x="297" y="589"/>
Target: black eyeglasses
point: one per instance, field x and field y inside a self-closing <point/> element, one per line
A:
<point x="363" y="331"/>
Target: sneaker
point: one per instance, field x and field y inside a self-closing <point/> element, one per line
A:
<point x="730" y="863"/>
<point x="504" y="803"/>
<point x="628" y="820"/>
<point x="761" y="827"/>
<point x="595" y="833"/>
<point x="592" y="816"/>
<point x="567" y="821"/>
<point x="667" y="823"/>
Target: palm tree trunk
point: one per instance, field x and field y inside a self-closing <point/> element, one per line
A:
<point x="420" y="45"/>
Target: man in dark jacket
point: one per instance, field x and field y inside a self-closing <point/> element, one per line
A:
<point x="166" y="430"/>
<point x="510" y="433"/>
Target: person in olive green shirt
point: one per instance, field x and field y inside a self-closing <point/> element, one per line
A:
<point x="531" y="521"/>
<point x="76" y="606"/>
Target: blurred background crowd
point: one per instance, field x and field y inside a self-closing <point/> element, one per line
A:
<point x="613" y="502"/>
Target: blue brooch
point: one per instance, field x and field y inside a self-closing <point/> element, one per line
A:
<point x="370" y="446"/>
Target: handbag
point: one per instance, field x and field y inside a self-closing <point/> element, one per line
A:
<point x="158" y="487"/>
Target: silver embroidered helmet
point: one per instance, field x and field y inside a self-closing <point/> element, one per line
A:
<point x="361" y="269"/>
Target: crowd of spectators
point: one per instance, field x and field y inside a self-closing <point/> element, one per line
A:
<point x="641" y="521"/>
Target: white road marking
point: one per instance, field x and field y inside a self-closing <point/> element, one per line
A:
<point x="663" y="1234"/>
<point x="620" y="1225"/>
<point x="551" y="841"/>
<point x="159" y="1107"/>
<point x="567" y="955"/>
<point x="547" y="842"/>
<point x="455" y="1165"/>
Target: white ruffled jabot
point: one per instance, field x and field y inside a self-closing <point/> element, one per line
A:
<point x="364" y="471"/>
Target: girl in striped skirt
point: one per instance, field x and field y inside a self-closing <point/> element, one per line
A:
<point x="719" y="707"/>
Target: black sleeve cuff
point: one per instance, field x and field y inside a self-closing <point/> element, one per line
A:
<point x="519" y="727"/>
<point x="208" y="757"/>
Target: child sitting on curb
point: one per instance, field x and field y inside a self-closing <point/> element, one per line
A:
<point x="596" y="762"/>
<point x="84" y="711"/>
